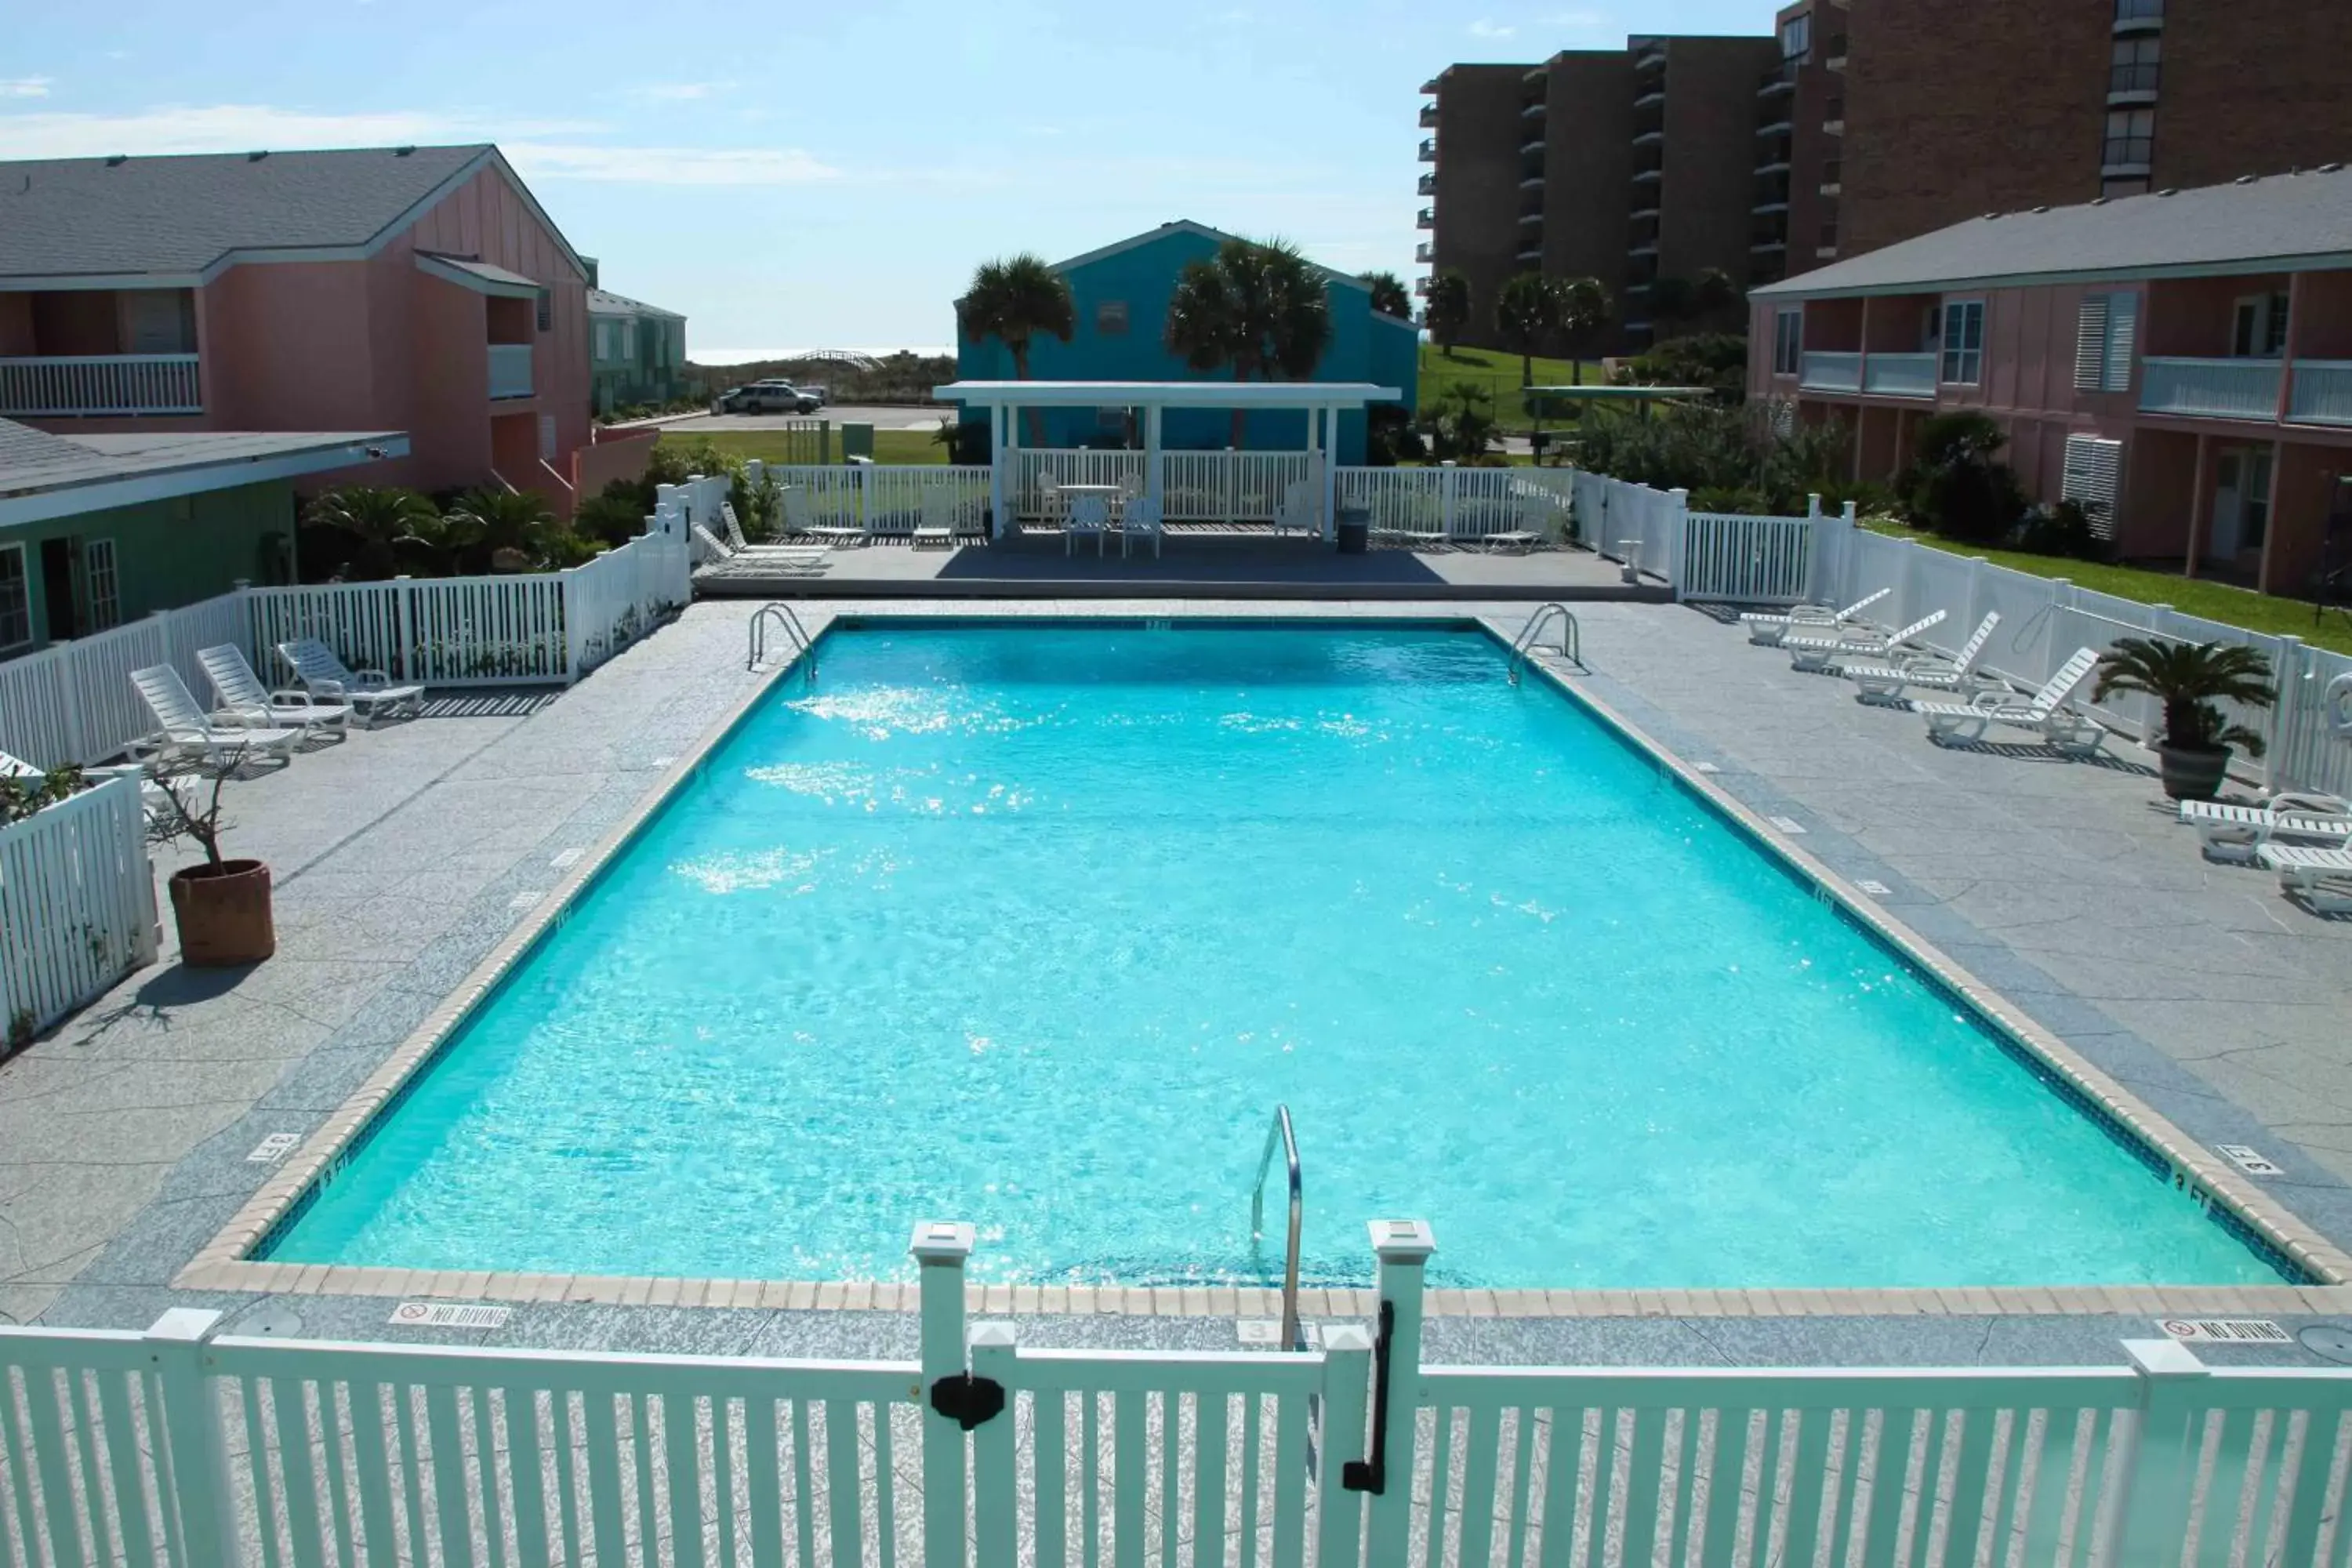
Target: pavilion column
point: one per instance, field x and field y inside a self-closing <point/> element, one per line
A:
<point x="1331" y="476"/>
<point x="1012" y="469"/>
<point x="1152" y="487"/>
<point x="998" y="493"/>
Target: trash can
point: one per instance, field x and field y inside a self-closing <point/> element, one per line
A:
<point x="1354" y="527"/>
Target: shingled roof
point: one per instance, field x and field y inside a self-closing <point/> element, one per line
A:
<point x="175" y="217"/>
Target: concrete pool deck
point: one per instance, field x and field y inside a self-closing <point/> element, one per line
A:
<point x="406" y="855"/>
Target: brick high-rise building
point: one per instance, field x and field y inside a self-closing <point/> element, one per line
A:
<point x="1470" y="182"/>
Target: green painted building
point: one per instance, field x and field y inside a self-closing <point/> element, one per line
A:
<point x="637" y="351"/>
<point x="98" y="531"/>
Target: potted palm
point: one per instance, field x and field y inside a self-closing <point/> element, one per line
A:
<point x="2191" y="679"/>
<point x="221" y="907"/>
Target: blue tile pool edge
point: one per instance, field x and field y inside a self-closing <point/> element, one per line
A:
<point x="237" y="1258"/>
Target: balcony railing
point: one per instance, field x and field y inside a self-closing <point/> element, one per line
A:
<point x="1429" y="117"/>
<point x="1429" y="150"/>
<point x="2210" y="388"/>
<point x="1899" y="375"/>
<point x="101" y="384"/>
<point x="2322" y="394"/>
<point x="1427" y="185"/>
<point x="2134" y="14"/>
<point x="1827" y="372"/>
<point x="2118" y="153"/>
<point x="1425" y="219"/>
<point x="2136" y="78"/>
<point x="510" y="370"/>
<point x="1424" y="252"/>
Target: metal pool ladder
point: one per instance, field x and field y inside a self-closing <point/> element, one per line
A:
<point x="1280" y="1132"/>
<point x="1572" y="642"/>
<point x="788" y="624"/>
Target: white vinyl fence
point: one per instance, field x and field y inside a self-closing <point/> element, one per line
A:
<point x="1466" y="505"/>
<point x="1827" y="559"/>
<point x="180" y="1449"/>
<point x="882" y="501"/>
<point x="77" y="906"/>
<point x="74" y="702"/>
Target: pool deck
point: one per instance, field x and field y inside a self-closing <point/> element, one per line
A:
<point x="406" y="855"/>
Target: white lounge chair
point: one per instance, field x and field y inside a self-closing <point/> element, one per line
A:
<point x="2228" y="832"/>
<point x="938" y="523"/>
<point x="245" y="700"/>
<point x="800" y="522"/>
<point x="2319" y="880"/>
<point x="1766" y="629"/>
<point x="1139" y="519"/>
<point x="186" y="731"/>
<point x="785" y="559"/>
<point x="324" y="674"/>
<point x="1819" y="651"/>
<point x="1088" y="514"/>
<point x="1928" y="671"/>
<point x="2045" y="713"/>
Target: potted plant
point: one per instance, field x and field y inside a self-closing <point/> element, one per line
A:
<point x="221" y="907"/>
<point x="2189" y="679"/>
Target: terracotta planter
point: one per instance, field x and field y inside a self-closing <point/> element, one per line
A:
<point x="223" y="913"/>
<point x="2192" y="775"/>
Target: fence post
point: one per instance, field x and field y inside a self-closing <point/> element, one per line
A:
<point x="2283" y="763"/>
<point x="1446" y="474"/>
<point x="940" y="1248"/>
<point x="2162" y="1448"/>
<point x="195" y="1444"/>
<point x="1403" y="1246"/>
<point x="1677" y="538"/>
<point x="69" y="707"/>
<point x="1339" y="1514"/>
<point x="995" y="1459"/>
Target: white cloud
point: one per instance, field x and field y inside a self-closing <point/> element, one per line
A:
<point x="24" y="87"/>
<point x="677" y="91"/>
<point x="1483" y="28"/>
<point x="540" y="149"/>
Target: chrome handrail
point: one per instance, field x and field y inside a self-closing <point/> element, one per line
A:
<point x="1280" y="1132"/>
<point x="785" y="618"/>
<point x="1571" y="639"/>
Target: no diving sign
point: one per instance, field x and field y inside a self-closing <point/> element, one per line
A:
<point x="2225" y="1330"/>
<point x="447" y="1315"/>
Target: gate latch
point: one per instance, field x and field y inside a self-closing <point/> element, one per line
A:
<point x="968" y="1401"/>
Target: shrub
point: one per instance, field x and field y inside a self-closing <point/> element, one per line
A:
<point x="1717" y="360"/>
<point x="611" y="519"/>
<point x="2063" y="528"/>
<point x="1711" y="449"/>
<point x="1956" y="485"/>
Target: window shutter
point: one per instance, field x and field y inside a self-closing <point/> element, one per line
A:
<point x="2122" y="326"/>
<point x="2091" y="344"/>
<point x="2094" y="471"/>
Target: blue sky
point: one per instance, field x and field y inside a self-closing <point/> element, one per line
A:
<point x="827" y="174"/>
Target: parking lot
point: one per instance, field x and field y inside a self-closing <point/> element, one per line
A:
<point x="898" y="417"/>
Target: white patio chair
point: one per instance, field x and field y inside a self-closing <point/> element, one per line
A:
<point x="1140" y="519"/>
<point x="245" y="700"/>
<point x="1819" y="651"/>
<point x="938" y="524"/>
<point x="1298" y="510"/>
<point x="1767" y="630"/>
<point x="324" y="674"/>
<point x="2319" y="880"/>
<point x="801" y="520"/>
<point x="1928" y="671"/>
<point x="1087" y="515"/>
<point x="2045" y="713"/>
<point x="2228" y="832"/>
<point x="1050" y="501"/>
<point x="186" y="731"/>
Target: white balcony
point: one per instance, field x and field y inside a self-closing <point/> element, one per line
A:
<point x="2322" y="394"/>
<point x="101" y="384"/>
<point x="1899" y="375"/>
<point x="509" y="370"/>
<point x="1825" y="372"/>
<point x="2210" y="388"/>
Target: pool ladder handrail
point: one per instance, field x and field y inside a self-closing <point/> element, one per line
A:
<point x="1281" y="1133"/>
<point x="1572" y="639"/>
<point x="784" y="618"/>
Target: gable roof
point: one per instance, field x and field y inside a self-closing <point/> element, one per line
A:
<point x="604" y="302"/>
<point x="44" y="475"/>
<point x="185" y="217"/>
<point x="1186" y="225"/>
<point x="2262" y="225"/>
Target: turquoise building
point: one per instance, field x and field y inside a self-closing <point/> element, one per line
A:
<point x="1121" y="293"/>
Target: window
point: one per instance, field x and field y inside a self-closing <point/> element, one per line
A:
<point x="2254" y="511"/>
<point x="2135" y="65"/>
<point x="629" y="339"/>
<point x="102" y="584"/>
<point x="2258" y="328"/>
<point x="1788" y="342"/>
<point x="1797" y="36"/>
<point x="546" y="308"/>
<point x="1832" y="173"/>
<point x="1964" y="341"/>
<point x="2131" y="138"/>
<point x="2106" y="326"/>
<point x="2139" y="10"/>
<point x="1110" y="319"/>
<point x="1828" y="240"/>
<point x="16" y="598"/>
<point x="2094" y="469"/>
<point x="1833" y="111"/>
<point x="547" y="438"/>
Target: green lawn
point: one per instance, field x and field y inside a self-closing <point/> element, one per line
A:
<point x="1497" y="375"/>
<point x="2266" y="613"/>
<point x="771" y="446"/>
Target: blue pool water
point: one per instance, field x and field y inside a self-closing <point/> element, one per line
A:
<point x="1034" y="927"/>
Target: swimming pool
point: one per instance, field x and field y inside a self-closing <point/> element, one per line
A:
<point x="1036" y="924"/>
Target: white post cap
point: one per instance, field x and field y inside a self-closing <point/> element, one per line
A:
<point x="941" y="1241"/>
<point x="1402" y="1240"/>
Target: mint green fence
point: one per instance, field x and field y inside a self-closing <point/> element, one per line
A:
<point x="186" y="1449"/>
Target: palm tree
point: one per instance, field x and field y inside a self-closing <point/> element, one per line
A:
<point x="377" y="519"/>
<point x="1525" y="312"/>
<point x="2188" y="679"/>
<point x="1259" y="306"/>
<point x="1448" y="309"/>
<point x="1584" y="310"/>
<point x="1012" y="299"/>
<point x="1390" y="296"/>
<point x="499" y="528"/>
